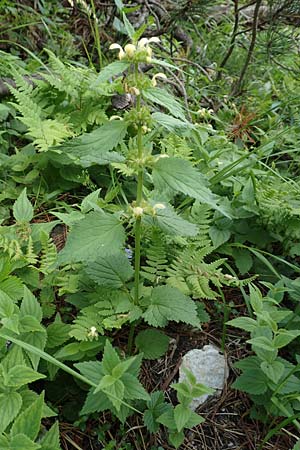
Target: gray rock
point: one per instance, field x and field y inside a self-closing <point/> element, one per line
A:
<point x="210" y="368"/>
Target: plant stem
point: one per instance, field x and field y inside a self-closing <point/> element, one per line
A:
<point x="138" y="230"/>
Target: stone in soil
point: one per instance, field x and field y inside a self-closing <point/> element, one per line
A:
<point x="210" y="368"/>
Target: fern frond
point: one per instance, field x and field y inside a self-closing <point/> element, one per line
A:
<point x="48" y="257"/>
<point x="155" y="269"/>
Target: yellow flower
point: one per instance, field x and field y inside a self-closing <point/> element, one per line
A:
<point x="121" y="54"/>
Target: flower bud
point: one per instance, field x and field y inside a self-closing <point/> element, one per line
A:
<point x="130" y="50"/>
<point x="138" y="211"/>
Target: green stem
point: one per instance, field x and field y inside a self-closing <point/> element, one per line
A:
<point x="96" y="34"/>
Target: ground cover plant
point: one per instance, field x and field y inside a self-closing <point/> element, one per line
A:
<point x="149" y="205"/>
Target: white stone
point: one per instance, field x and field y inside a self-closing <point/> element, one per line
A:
<point x="210" y="368"/>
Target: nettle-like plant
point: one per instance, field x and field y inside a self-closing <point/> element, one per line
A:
<point x="135" y="256"/>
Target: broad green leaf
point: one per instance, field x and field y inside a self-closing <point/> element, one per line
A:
<point x="274" y="370"/>
<point x="93" y="148"/>
<point x="263" y="343"/>
<point x="179" y="175"/>
<point x="110" y="358"/>
<point x="90" y="202"/>
<point x="182" y="415"/>
<point x="111" y="271"/>
<point x="252" y="381"/>
<point x="29" y="421"/>
<point x="218" y="235"/>
<point x="172" y="124"/>
<point x="156" y="407"/>
<point x="10" y="405"/>
<point x="30" y="306"/>
<point x="13" y="287"/>
<point x="163" y="98"/>
<point x="97" y="235"/>
<point x="168" y="303"/>
<point x="92" y="370"/>
<point x="51" y="439"/>
<point x="176" y="438"/>
<point x="22" y="442"/>
<point x="284" y="337"/>
<point x="152" y="343"/>
<point x="133" y="388"/>
<point x="110" y="71"/>
<point x="168" y="221"/>
<point x="38" y="340"/>
<point x="30" y="324"/>
<point x="167" y="419"/>
<point x="57" y="334"/>
<point x="115" y="393"/>
<point x="7" y="307"/>
<point x="22" y="209"/>
<point x="124" y="366"/>
<point x="245" y="323"/>
<point x="20" y="375"/>
<point x="243" y="260"/>
<point x="95" y="402"/>
<point x="129" y="28"/>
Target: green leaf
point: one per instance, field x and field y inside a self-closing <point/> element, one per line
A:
<point x="263" y="343"/>
<point x="51" y="439"/>
<point x="95" y="402"/>
<point x="152" y="343"/>
<point x="245" y="323"/>
<point x="156" y="407"/>
<point x="179" y="175"/>
<point x="168" y="221"/>
<point x="253" y="381"/>
<point x="22" y="209"/>
<point x="171" y="123"/>
<point x="29" y="421"/>
<point x="111" y="271"/>
<point x="218" y="236"/>
<point x="167" y="419"/>
<point x="20" y="375"/>
<point x="92" y="370"/>
<point x="243" y="260"/>
<point x="168" y="303"/>
<point x="97" y="235"/>
<point x="57" y="334"/>
<point x="176" y="438"/>
<point x="115" y="393"/>
<point x="30" y="306"/>
<point x="133" y="388"/>
<point x="93" y="148"/>
<point x="7" y="307"/>
<point x="10" y="405"/>
<point x="163" y="98"/>
<point x="182" y="415"/>
<point x="22" y="442"/>
<point x="110" y="71"/>
<point x="284" y="337"/>
<point x="38" y="340"/>
<point x="129" y="28"/>
<point x="274" y="370"/>
<point x="110" y="358"/>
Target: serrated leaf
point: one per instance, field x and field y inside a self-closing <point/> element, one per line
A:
<point x="10" y="405"/>
<point x="93" y="148"/>
<point x="152" y="343"/>
<point x="36" y="339"/>
<point x="284" y="337"/>
<point x="218" y="236"/>
<point x="245" y="323"/>
<point x="110" y="358"/>
<point x="110" y="71"/>
<point x="182" y="415"/>
<point x="29" y="421"/>
<point x="57" y="334"/>
<point x="133" y="388"/>
<point x="163" y="98"/>
<point x="23" y="209"/>
<point x="111" y="271"/>
<point x="7" y="307"/>
<point x="97" y="235"/>
<point x="274" y="370"/>
<point x="95" y="402"/>
<point x="262" y="342"/>
<point x="30" y="306"/>
<point x="243" y="260"/>
<point x="252" y="381"/>
<point x="169" y="222"/>
<point x="156" y="407"/>
<point x="20" y="375"/>
<point x="51" y="439"/>
<point x="179" y="175"/>
<point x="168" y="303"/>
<point x="22" y="442"/>
<point x="172" y="124"/>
